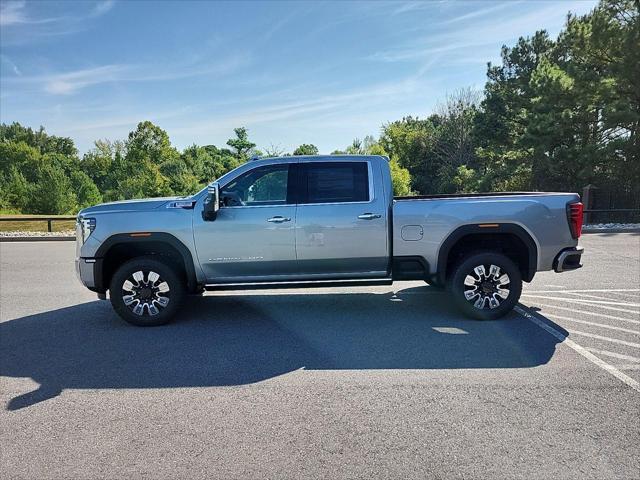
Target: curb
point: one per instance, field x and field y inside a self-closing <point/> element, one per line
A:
<point x="38" y="239"/>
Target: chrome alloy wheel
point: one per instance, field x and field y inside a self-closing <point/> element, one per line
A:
<point x="486" y="290"/>
<point x="145" y="291"/>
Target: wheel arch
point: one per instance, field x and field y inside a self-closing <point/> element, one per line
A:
<point x="121" y="247"/>
<point x="508" y="238"/>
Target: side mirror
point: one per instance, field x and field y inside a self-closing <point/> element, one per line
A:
<point x="212" y="202"/>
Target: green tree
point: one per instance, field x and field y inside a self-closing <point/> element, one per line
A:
<point x="454" y="145"/>
<point x="38" y="139"/>
<point x="306" y="149"/>
<point x="181" y="179"/>
<point x="411" y="142"/>
<point x="14" y="190"/>
<point x="52" y="192"/>
<point x="151" y="143"/>
<point x="137" y="173"/>
<point x="85" y="190"/>
<point x="566" y="113"/>
<point x="400" y="178"/>
<point x="241" y="143"/>
<point x="102" y="162"/>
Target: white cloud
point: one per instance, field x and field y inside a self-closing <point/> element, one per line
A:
<point x="22" y="26"/>
<point x="102" y="7"/>
<point x="481" y="12"/>
<point x="7" y="61"/>
<point x="67" y="83"/>
<point x="70" y="82"/>
<point x="490" y="31"/>
<point x="13" y="13"/>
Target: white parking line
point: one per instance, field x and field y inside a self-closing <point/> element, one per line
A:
<point x="593" y="324"/>
<point x="606" y="339"/>
<point x="590" y="302"/>
<point x="626" y="295"/>
<point x="584" y="302"/>
<point x="628" y="367"/>
<point x="584" y="295"/>
<point x="588" y="291"/>
<point x="619" y="356"/>
<point x="579" y="349"/>
<point x="585" y="312"/>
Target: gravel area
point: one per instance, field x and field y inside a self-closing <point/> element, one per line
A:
<point x="612" y="226"/>
<point x="71" y="233"/>
<point x="62" y="233"/>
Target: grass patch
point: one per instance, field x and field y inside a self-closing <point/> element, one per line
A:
<point x="35" y="225"/>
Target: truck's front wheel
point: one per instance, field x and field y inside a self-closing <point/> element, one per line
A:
<point x="486" y="285"/>
<point x="146" y="292"/>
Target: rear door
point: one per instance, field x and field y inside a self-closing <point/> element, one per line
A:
<point x="342" y="221"/>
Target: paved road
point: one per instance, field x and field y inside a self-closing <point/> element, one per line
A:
<point x="378" y="382"/>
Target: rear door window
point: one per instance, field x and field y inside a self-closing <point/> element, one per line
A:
<point x="336" y="182"/>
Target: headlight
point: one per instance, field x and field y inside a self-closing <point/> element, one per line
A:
<point x="86" y="227"/>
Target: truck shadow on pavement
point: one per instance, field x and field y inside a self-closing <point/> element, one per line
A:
<point x="241" y="339"/>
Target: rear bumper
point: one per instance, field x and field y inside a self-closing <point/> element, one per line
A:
<point x="568" y="259"/>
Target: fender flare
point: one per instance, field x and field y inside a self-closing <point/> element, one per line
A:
<point x="155" y="237"/>
<point x="501" y="228"/>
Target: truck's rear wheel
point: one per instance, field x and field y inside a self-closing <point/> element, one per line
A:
<point x="486" y="286"/>
<point x="146" y="292"/>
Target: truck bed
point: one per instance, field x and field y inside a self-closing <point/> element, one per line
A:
<point x="422" y="223"/>
<point x="472" y="195"/>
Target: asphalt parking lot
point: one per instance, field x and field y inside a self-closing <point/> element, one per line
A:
<point x="372" y="382"/>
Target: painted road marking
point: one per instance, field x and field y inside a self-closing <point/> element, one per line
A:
<point x="625" y="295"/>
<point x="595" y="314"/>
<point x="619" y="356"/>
<point x="628" y="367"/>
<point x="590" y="302"/>
<point x="593" y="324"/>
<point x="597" y="297"/>
<point x="579" y="349"/>
<point x="606" y="339"/>
<point x="588" y="291"/>
<point x="584" y="302"/>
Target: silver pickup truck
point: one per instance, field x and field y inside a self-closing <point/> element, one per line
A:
<point x="318" y="221"/>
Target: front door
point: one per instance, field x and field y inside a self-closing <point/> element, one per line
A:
<point x="253" y="235"/>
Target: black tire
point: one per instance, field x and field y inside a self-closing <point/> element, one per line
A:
<point x="147" y="295"/>
<point x="488" y="288"/>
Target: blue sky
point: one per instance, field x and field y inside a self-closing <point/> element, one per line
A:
<point x="291" y="72"/>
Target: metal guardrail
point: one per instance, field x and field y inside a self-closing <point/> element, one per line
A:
<point x="50" y="220"/>
<point x="597" y="210"/>
<point x="628" y="214"/>
<point x="39" y="218"/>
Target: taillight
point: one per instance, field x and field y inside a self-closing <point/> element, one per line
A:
<point x="574" y="216"/>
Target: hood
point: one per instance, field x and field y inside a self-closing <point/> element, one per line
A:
<point x="129" y="205"/>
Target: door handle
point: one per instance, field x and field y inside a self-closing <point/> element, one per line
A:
<point x="369" y="216"/>
<point x="278" y="219"/>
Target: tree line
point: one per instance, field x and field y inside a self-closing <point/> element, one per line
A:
<point x="554" y="115"/>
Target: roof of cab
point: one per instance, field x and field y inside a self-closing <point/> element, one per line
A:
<point x="320" y="157"/>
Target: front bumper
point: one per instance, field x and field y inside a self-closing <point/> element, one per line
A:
<point x="88" y="272"/>
<point x="568" y="259"/>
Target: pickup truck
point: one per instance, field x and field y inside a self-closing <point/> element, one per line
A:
<point x="309" y="221"/>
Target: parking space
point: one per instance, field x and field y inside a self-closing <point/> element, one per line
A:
<point x="599" y="305"/>
<point x="369" y="382"/>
